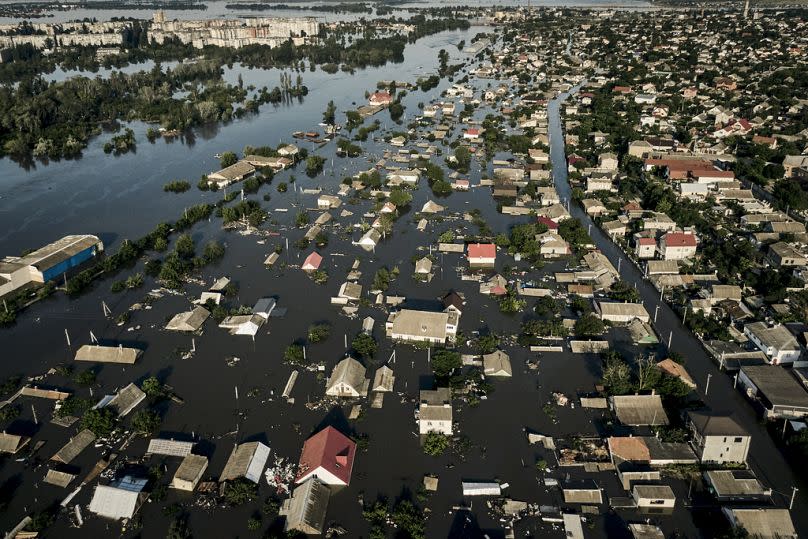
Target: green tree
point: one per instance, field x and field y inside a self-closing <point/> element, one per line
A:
<point x="319" y="332"/>
<point x="435" y="444"/>
<point x="240" y="491"/>
<point x="101" y="421"/>
<point x="228" y="159"/>
<point x="444" y="362"/>
<point x="152" y="387"/>
<point x="329" y="116"/>
<point x="364" y="345"/>
<point x="146" y="422"/>
<point x="589" y="325"/>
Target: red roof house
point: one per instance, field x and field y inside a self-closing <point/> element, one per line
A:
<point x="551" y="225"/>
<point x="329" y="456"/>
<point x="482" y="254"/>
<point x="380" y="98"/>
<point x="312" y="262"/>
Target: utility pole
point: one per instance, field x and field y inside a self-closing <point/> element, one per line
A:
<point x="793" y="495"/>
<point x="670" y="338"/>
<point x="656" y="311"/>
<point x="735" y="383"/>
<point x="707" y="387"/>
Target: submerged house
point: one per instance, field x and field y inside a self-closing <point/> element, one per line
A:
<point x="328" y="456"/>
<point x="306" y="509"/>
<point x="120" y="499"/>
<point x="435" y="411"/>
<point x="246" y="460"/>
<point x="348" y="380"/>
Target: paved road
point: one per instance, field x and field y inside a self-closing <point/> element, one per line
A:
<point x="765" y="458"/>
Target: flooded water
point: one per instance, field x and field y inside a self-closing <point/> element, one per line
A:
<point x="119" y="197"/>
<point x="219" y="9"/>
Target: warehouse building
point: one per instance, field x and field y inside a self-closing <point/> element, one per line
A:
<point x="47" y="263"/>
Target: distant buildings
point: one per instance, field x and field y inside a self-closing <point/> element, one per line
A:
<point x="235" y="33"/>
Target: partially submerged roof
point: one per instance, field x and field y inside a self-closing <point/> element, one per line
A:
<point x="76" y="445"/>
<point x="126" y="399"/>
<point x="59" y="479"/>
<point x="384" y="379"/>
<point x="246" y="460"/>
<point x="11" y="443"/>
<point x="497" y="363"/>
<point x="305" y="511"/>
<point x="107" y="354"/>
<point x="777" y="384"/>
<point x="329" y="455"/>
<point x="118" y="500"/>
<point x="189" y="320"/>
<point x="639" y="409"/>
<point x="171" y="448"/>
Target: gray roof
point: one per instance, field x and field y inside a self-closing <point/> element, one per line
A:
<point x="59" y="479"/>
<point x="384" y="379"/>
<point x="423" y="324"/>
<point x="171" y="448"/>
<point x="708" y="424"/>
<point x="497" y="363"/>
<point x="351" y="373"/>
<point x="244" y="461"/>
<point x="107" y="354"/>
<point x="189" y="320"/>
<point x="54" y="253"/>
<point x="126" y="399"/>
<point x="11" y="443"/>
<point x="779" y="387"/>
<point x="115" y="503"/>
<point x="76" y="445"/>
<point x="777" y="336"/>
<point x="645" y="531"/>
<point x="306" y="509"/>
<point x="191" y="467"/>
<point x="639" y="409"/>
<point x="764" y="522"/>
<point x="735" y="484"/>
<point x="654" y="491"/>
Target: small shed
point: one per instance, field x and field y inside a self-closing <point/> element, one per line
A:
<point x="11" y="443"/>
<point x="190" y="472"/>
<point x="59" y="479"/>
<point x="654" y="496"/>
<point x="481" y="488"/>
<point x="169" y="448"/>
<point x="383" y="380"/>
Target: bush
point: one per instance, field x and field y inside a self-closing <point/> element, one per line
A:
<point x="319" y="332"/>
<point x="177" y="186"/>
<point x="294" y="354"/>
<point x="240" y="491"/>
